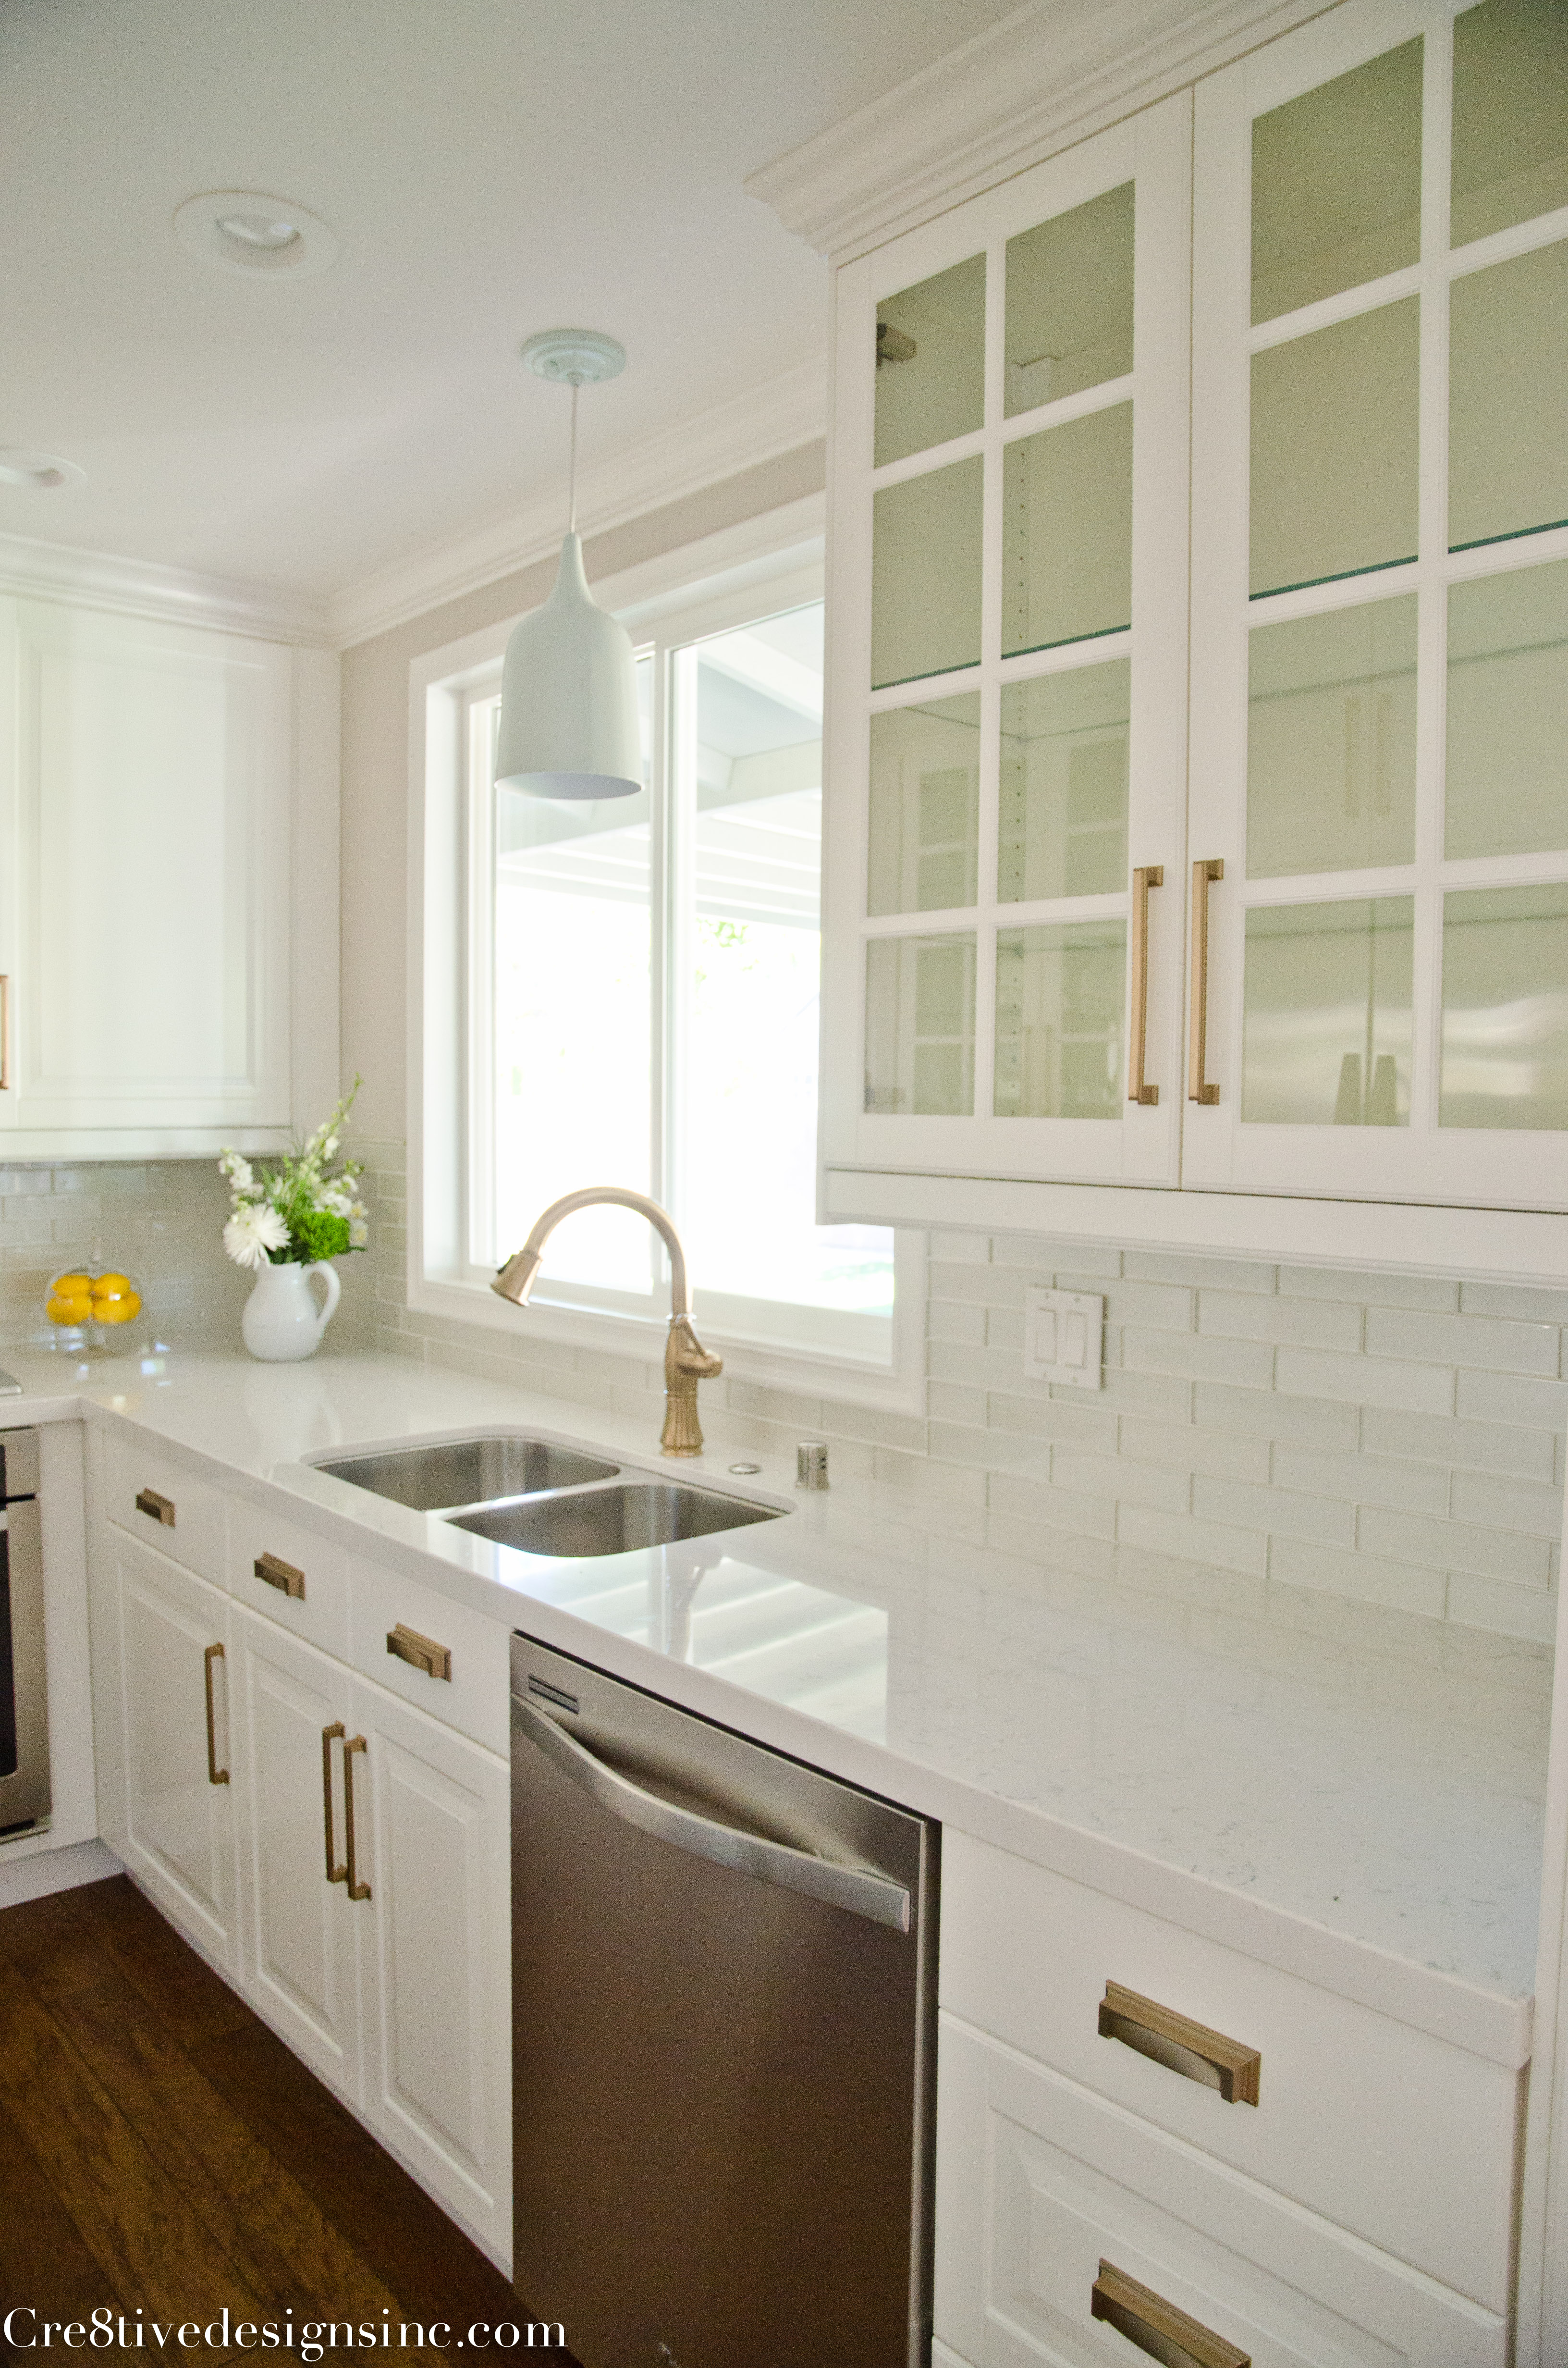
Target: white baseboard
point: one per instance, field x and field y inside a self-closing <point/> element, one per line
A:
<point x="60" y="1870"/>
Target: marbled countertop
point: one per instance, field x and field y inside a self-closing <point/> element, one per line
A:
<point x="1352" y="1794"/>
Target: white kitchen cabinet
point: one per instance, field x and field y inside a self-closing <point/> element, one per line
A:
<point x="1348" y="987"/>
<point x="168" y="883"/>
<point x="1008" y="702"/>
<point x="167" y="1794"/>
<point x="1042" y="2188"/>
<point x="435" y="1841"/>
<point x="293" y="1714"/>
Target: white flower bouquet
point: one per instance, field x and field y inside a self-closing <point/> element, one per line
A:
<point x="298" y="1210"/>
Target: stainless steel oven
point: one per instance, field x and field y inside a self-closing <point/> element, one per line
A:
<point x="24" y="1693"/>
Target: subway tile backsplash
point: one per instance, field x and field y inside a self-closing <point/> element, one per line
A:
<point x="160" y="1219"/>
<point x="1396" y="1439"/>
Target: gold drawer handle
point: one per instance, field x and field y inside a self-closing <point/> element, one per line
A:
<point x="1157" y="2327"/>
<point x="420" y="1652"/>
<point x="1198" y="1089"/>
<point x="356" y="1890"/>
<point x="273" y="1571"/>
<point x="1147" y="876"/>
<point x="215" y="1775"/>
<point x="336" y="1872"/>
<point x="1181" y="2044"/>
<point x="156" y="1507"/>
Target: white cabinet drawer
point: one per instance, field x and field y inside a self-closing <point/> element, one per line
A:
<point x="472" y="1693"/>
<point x="164" y="1504"/>
<point x="289" y="1575"/>
<point x="1038" y="2183"/>
<point x="1403" y="2139"/>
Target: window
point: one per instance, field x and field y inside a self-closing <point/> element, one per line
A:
<point x="642" y="996"/>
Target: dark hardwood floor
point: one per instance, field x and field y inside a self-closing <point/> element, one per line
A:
<point x="161" y="2151"/>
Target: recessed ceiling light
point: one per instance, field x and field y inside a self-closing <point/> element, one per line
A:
<point x="241" y="230"/>
<point x="37" y="472"/>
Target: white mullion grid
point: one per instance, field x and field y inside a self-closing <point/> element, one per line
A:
<point x="673" y="816"/>
<point x="993" y="555"/>
<point x="479" y="858"/>
<point x="1065" y="657"/>
<point x="922" y="689"/>
<point x="1345" y="305"/>
<point x="928" y="460"/>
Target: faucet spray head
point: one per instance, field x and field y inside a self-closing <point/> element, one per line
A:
<point x="517" y="1277"/>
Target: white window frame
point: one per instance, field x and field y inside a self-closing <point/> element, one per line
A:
<point x="727" y="580"/>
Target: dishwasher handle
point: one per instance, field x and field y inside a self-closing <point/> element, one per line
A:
<point x="859" y="1890"/>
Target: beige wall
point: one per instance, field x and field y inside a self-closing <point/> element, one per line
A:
<point x="375" y="759"/>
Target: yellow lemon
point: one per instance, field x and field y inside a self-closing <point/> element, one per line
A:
<point x="113" y="1286"/>
<point x="117" y="1311"/>
<point x="75" y="1309"/>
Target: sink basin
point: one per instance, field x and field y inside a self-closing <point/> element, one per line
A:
<point x="468" y="1471"/>
<point x="613" y="1521"/>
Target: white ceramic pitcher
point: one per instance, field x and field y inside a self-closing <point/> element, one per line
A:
<point x="282" y="1322"/>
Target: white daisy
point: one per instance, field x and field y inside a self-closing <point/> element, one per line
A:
<point x="252" y="1231"/>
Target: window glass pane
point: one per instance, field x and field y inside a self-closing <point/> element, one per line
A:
<point x="754" y="814"/>
<point x="925" y="575"/>
<point x="1510" y="115"/>
<point x="1334" y="450"/>
<point x="1327" y="1029"/>
<point x="1508" y="398"/>
<point x="1507" y="738"/>
<point x="1067" y="534"/>
<point x="931" y="361"/>
<point x="1331" y="740"/>
<point x="1506" y="1007"/>
<point x="920" y="1025"/>
<point x="1337" y="185"/>
<point x="1070" y="303"/>
<point x="924" y="823"/>
<point x="573" y="1038"/>
<point x="1064" y="806"/>
<point x="1060" y="999"/>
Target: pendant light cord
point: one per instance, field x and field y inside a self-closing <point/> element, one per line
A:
<point x="572" y="521"/>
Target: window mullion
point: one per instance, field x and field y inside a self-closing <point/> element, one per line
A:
<point x="681" y="672"/>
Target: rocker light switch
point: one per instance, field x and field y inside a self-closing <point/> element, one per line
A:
<point x="1064" y="1338"/>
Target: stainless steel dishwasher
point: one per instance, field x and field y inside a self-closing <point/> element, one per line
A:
<point x="723" y="2017"/>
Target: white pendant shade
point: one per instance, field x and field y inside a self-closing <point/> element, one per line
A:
<point x="569" y="725"/>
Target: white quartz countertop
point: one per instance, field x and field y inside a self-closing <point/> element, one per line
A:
<point x="1353" y="1794"/>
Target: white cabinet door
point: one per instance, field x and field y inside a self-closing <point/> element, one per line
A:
<point x="1380" y="610"/>
<point x="433" y="1839"/>
<point x="173" y="1671"/>
<point x="1007" y="712"/>
<point x="292" y="1724"/>
<point x="145" y="920"/>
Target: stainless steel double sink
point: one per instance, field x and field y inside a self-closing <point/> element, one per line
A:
<point x="543" y="1499"/>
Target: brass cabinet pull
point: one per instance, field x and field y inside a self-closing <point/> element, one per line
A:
<point x="156" y="1507"/>
<point x="1147" y="876"/>
<point x="420" y="1652"/>
<point x="273" y="1571"/>
<point x="330" y="1735"/>
<point x="1205" y="868"/>
<point x="4" y="1031"/>
<point x="1181" y="2044"/>
<point x="1157" y="2327"/>
<point x="215" y="1775"/>
<point x="356" y="1890"/>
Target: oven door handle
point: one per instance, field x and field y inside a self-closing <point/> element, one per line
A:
<point x="861" y="1891"/>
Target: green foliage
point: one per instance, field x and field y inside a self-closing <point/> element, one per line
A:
<point x="317" y="1234"/>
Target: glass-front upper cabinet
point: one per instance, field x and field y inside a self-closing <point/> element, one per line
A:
<point x="1378" y="889"/>
<point x="1006" y="761"/>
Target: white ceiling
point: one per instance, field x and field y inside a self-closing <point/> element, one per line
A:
<point x="489" y="167"/>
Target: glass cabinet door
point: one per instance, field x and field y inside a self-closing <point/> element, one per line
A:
<point x="1379" y="802"/>
<point x="1007" y="621"/>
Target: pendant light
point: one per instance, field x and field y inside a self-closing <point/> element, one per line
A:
<point x="569" y="725"/>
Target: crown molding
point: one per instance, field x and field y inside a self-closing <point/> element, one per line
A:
<point x="736" y="434"/>
<point x="142" y="587"/>
<point x="1050" y="74"/>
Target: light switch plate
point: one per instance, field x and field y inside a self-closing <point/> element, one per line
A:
<point x="1064" y="1338"/>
